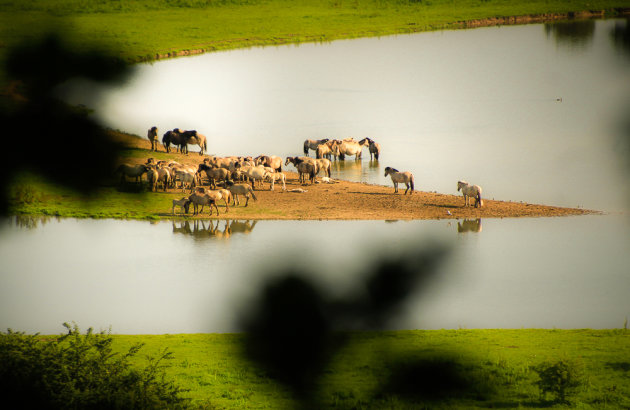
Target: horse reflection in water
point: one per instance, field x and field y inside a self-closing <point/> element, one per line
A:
<point x="201" y="229"/>
<point x="469" y="225"/>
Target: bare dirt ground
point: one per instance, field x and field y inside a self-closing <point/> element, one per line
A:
<point x="351" y="200"/>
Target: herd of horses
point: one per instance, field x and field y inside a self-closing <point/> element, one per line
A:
<point x="233" y="176"/>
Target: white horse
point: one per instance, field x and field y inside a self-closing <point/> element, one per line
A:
<point x="276" y="176"/>
<point x="400" y="177"/>
<point x="469" y="191"/>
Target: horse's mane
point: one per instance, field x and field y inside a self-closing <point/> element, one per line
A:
<point x="393" y="169"/>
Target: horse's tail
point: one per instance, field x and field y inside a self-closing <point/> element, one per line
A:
<point x="411" y="184"/>
<point x="306" y="148"/>
<point x="328" y="170"/>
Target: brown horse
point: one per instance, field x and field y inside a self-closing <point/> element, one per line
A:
<point x="313" y="144"/>
<point x="177" y="139"/>
<point x="132" y="171"/>
<point x="193" y="138"/>
<point x="304" y="167"/>
<point x="374" y="148"/>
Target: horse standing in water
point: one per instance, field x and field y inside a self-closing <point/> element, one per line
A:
<point x="374" y="148"/>
<point x="469" y="191"/>
<point x="313" y="144"/>
<point x="400" y="177"/>
<point x="348" y="147"/>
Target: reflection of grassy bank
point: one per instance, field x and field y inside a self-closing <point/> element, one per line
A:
<point x="145" y="29"/>
<point x="497" y="363"/>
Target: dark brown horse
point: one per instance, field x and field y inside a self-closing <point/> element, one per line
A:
<point x="175" y="138"/>
<point x="191" y="137"/>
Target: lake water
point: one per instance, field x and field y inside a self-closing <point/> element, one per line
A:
<point x="174" y="277"/>
<point x="530" y="113"/>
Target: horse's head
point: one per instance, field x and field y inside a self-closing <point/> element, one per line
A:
<point x="187" y="205"/>
<point x="461" y="184"/>
<point x="287" y="161"/>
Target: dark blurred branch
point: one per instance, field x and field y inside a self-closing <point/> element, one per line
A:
<point x="63" y="144"/>
<point x="293" y="331"/>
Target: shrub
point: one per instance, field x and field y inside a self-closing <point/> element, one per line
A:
<point x="26" y="194"/>
<point x="559" y="378"/>
<point x="80" y="371"/>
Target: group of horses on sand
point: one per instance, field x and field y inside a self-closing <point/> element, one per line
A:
<point x="327" y="148"/>
<point x="180" y="139"/>
<point x="232" y="177"/>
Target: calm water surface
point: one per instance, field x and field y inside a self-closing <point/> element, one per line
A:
<point x="528" y="112"/>
<point x="172" y="277"/>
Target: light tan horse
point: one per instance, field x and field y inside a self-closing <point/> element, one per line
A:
<point x="352" y="148"/>
<point x="217" y="195"/>
<point x="276" y="176"/>
<point x="152" y="135"/>
<point x="244" y="190"/>
<point x="202" y="199"/>
<point x="324" y="164"/>
<point x="400" y="177"/>
<point x="469" y="191"/>
<point x="271" y="161"/>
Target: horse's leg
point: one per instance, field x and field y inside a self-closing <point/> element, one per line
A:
<point x="247" y="201"/>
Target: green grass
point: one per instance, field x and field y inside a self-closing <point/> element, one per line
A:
<point x="498" y="363"/>
<point x="30" y="195"/>
<point x="143" y="29"/>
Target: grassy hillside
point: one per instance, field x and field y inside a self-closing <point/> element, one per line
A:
<point x="145" y="29"/>
<point x="494" y="368"/>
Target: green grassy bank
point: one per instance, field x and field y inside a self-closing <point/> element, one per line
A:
<point x="32" y="195"/>
<point x="148" y="29"/>
<point x="498" y="365"/>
